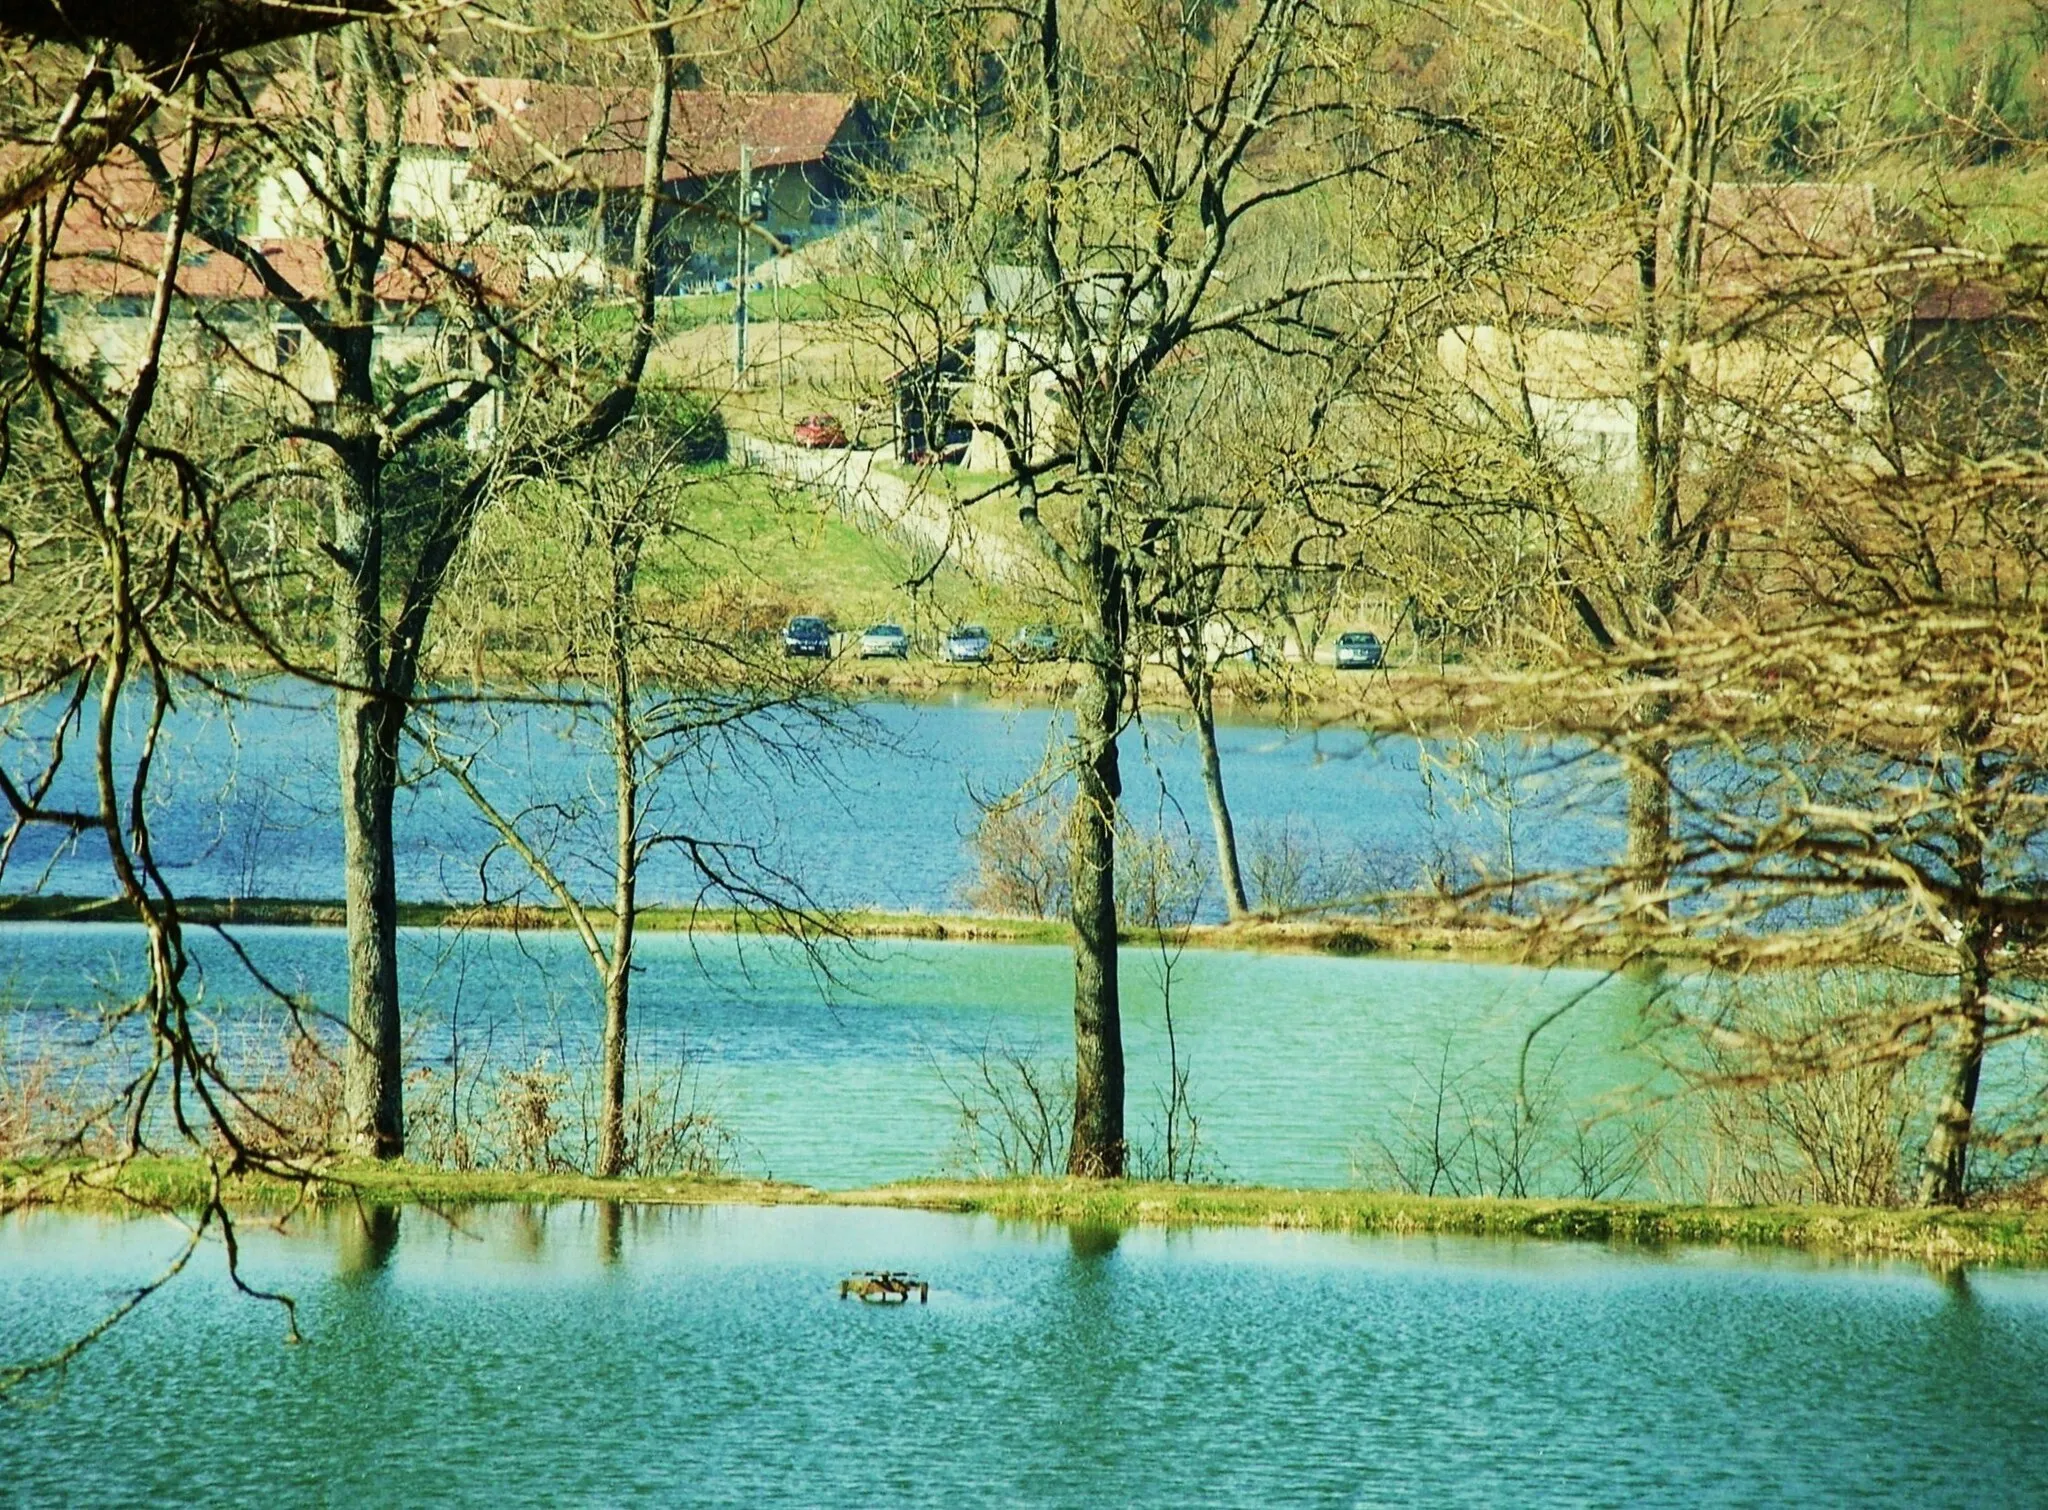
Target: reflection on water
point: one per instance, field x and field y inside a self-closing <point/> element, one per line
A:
<point x="365" y="1237"/>
<point x="596" y="1354"/>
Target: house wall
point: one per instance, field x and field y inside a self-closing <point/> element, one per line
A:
<point x="1815" y="383"/>
<point x="1014" y="386"/>
<point x="433" y="190"/>
<point x="113" y="334"/>
<point x="1979" y="387"/>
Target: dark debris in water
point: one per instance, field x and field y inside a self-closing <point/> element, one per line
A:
<point x="884" y="1287"/>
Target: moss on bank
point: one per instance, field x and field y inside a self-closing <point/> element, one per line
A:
<point x="1941" y="1238"/>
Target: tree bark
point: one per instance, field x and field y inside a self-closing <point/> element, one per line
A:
<point x="1097" y="1148"/>
<point x="618" y="985"/>
<point x="1229" y="872"/>
<point x="1649" y="823"/>
<point x="368" y="725"/>
<point x="1944" y="1166"/>
<point x="373" y="1091"/>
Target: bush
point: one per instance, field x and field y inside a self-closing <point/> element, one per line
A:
<point x="685" y="419"/>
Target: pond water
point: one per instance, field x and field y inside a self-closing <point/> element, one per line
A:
<point x="594" y="1355"/>
<point x="1302" y="1069"/>
<point x="868" y="807"/>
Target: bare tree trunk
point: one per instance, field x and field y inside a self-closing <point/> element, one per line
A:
<point x="373" y="1091"/>
<point x="1649" y="821"/>
<point x="1097" y="1147"/>
<point x="1944" y="1166"/>
<point x="368" y="725"/>
<point x="1229" y="872"/>
<point x="618" y="985"/>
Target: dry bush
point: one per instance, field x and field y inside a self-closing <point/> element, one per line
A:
<point x="669" y="1133"/>
<point x="1292" y="872"/>
<point x="1022" y="868"/>
<point x="543" y="1120"/>
<point x="527" y="1119"/>
<point x="1834" y="1139"/>
<point x="1481" y="1132"/>
<point x="1016" y="1113"/>
<point x="302" y="1099"/>
<point x="53" y="1100"/>
<point x="39" y="1106"/>
<point x="1020" y="855"/>
<point x="1834" y="1124"/>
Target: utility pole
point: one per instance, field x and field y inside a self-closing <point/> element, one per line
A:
<point x="739" y="280"/>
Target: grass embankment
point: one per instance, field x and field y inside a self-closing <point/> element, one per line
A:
<point x="1942" y="1237"/>
<point x="1346" y="937"/>
<point x="755" y="550"/>
<point x="285" y="912"/>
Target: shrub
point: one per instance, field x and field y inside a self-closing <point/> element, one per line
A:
<point x="685" y="419"/>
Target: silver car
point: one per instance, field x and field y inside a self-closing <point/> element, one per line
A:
<point x="884" y="642"/>
<point x="967" y="646"/>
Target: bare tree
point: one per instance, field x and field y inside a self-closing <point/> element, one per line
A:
<point x="334" y="131"/>
<point x="1108" y="222"/>
<point x="109" y="519"/>
<point x="671" y="695"/>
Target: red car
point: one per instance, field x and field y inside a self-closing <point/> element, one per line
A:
<point x="819" y="431"/>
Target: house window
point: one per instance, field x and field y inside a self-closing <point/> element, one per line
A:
<point x="288" y="338"/>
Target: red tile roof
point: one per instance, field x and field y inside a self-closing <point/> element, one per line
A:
<point x="528" y="131"/>
<point x="1761" y="239"/>
<point x="97" y="261"/>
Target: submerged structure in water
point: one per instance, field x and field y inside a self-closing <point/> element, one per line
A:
<point x="885" y="1287"/>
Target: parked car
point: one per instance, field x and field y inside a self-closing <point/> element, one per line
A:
<point x="1359" y="650"/>
<point x="967" y="646"/>
<point x="821" y="432"/>
<point x="1035" y="642"/>
<point x="808" y="637"/>
<point x="884" y="641"/>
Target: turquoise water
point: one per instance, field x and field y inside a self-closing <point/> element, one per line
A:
<point x="591" y="1356"/>
<point x="1301" y="1068"/>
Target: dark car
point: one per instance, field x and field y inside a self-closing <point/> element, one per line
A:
<point x="808" y="637"/>
<point x="1035" y="642"/>
<point x="1360" y="650"/>
<point x="967" y="646"/>
<point x="819" y="431"/>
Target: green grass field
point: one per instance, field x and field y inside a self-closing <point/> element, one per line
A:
<point x="778" y="550"/>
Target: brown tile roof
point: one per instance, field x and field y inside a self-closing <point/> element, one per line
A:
<point x="1761" y="239"/>
<point x="117" y="190"/>
<point x="570" y="134"/>
<point x="98" y="261"/>
<point x="1968" y="300"/>
<point x="528" y="131"/>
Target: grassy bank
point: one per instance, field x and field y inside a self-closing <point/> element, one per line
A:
<point x="1942" y="1238"/>
<point x="1345" y="937"/>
